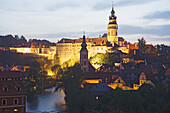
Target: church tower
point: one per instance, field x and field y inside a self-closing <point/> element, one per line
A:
<point x="112" y="30"/>
<point x="84" y="56"/>
<point x="142" y="79"/>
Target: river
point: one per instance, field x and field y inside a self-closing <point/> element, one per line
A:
<point x="50" y="102"/>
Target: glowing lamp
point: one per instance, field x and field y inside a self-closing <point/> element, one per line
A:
<point x="15" y="110"/>
<point x="97" y="98"/>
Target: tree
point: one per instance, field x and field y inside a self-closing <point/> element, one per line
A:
<point x="78" y="99"/>
<point x="162" y="49"/>
<point x="57" y="70"/>
<point x="36" y="78"/>
<point x="45" y="64"/>
<point x="106" y="58"/>
<point x="142" y="45"/>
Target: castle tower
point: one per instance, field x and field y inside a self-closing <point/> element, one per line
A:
<point x="84" y="56"/>
<point x="112" y="30"/>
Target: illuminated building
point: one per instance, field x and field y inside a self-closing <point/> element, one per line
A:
<point x="67" y="49"/>
<point x="46" y="52"/>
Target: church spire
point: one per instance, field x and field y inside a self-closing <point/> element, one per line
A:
<point x="84" y="45"/>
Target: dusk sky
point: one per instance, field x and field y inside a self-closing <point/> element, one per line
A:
<point x="56" y="19"/>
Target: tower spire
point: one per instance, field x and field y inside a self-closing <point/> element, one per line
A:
<point x="112" y="6"/>
<point x="112" y="12"/>
<point x="84" y="33"/>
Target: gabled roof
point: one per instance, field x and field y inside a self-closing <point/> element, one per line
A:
<point x="117" y="78"/>
<point x="101" y="87"/>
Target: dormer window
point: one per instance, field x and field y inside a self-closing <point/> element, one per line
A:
<point x="5" y="89"/>
<point x="19" y="89"/>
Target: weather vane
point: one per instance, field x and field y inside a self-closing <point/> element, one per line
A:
<point x="83" y="32"/>
<point x="112" y="4"/>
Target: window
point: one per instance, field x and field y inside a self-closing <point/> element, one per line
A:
<point x="118" y="81"/>
<point x="84" y="62"/>
<point x="116" y="32"/>
<point x="84" y="55"/>
<point x="109" y="33"/>
<point x="84" y="69"/>
<point x="4" y="102"/>
<point x="15" y="101"/>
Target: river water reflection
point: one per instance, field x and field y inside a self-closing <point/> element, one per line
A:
<point x="52" y="102"/>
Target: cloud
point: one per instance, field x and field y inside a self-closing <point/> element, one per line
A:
<point x="101" y="6"/>
<point x="57" y="6"/>
<point x="160" y="30"/>
<point x="133" y="2"/>
<point x="153" y="39"/>
<point x="105" y="5"/>
<point x="35" y="5"/>
<point x="66" y="35"/>
<point x="159" y="15"/>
